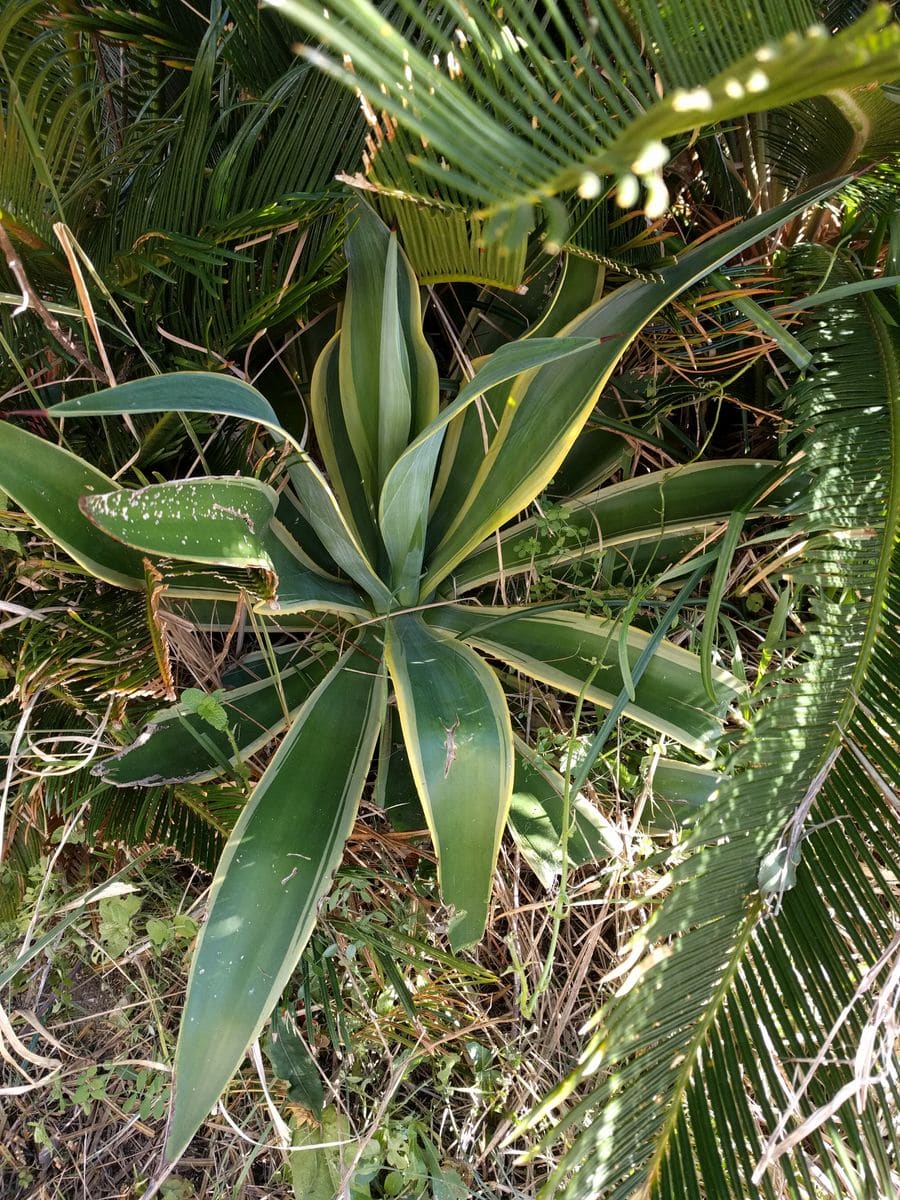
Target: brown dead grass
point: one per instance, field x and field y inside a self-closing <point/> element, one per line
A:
<point x="121" y="1015"/>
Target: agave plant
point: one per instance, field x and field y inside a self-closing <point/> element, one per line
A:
<point x="377" y="560"/>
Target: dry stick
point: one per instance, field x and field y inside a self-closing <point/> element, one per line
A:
<point x="777" y="1144"/>
<point x="30" y="299"/>
<point x="67" y="242"/>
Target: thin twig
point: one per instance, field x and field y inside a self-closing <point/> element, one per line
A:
<point x="30" y="299"/>
<point x="777" y="1144"/>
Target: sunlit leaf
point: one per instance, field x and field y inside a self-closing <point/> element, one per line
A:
<point x="458" y="737"/>
<point x="277" y="865"/>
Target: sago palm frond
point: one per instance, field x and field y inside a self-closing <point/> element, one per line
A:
<point x="750" y="1004"/>
<point x="220" y="230"/>
<point x="47" y="112"/>
<point x="197" y="179"/>
<point x="194" y="820"/>
<point x="71" y="665"/>
<point x="505" y="109"/>
<point x="767" y="156"/>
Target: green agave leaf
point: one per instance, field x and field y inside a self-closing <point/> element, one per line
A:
<point x="382" y="324"/>
<point x="291" y="1061"/>
<point x="220" y="613"/>
<point x="289" y="514"/>
<point x="470" y="433"/>
<point x="178" y="746"/>
<point x="459" y="741"/>
<point x="394" y="376"/>
<point x="395" y="788"/>
<point x="536" y="820"/>
<point x="216" y="520"/>
<point x="301" y="586"/>
<point x="47" y="482"/>
<point x="262" y="665"/>
<point x="466" y="442"/>
<point x="336" y="450"/>
<point x="549" y="407"/>
<point x="677" y="500"/>
<point x="323" y="513"/>
<point x="563" y="649"/>
<point x="580" y="285"/>
<point x="277" y="865"/>
<point x="222" y="395"/>
<point x="403" y="507"/>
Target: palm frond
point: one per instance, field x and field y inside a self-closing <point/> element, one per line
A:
<point x="560" y="96"/>
<point x="193" y="819"/>
<point x="46" y="114"/>
<point x="219" y="230"/>
<point x="197" y="178"/>
<point x="74" y="665"/>
<point x="740" y="977"/>
<point x="819" y="138"/>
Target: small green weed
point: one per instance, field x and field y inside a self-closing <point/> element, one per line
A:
<point x="399" y="1162"/>
<point x="163" y="932"/>
<point x="116" y="929"/>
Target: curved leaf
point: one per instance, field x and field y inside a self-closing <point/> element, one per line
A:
<point x="217" y="520"/>
<point x="337" y="453"/>
<point x="467" y="441"/>
<point x="548" y="408"/>
<point x="47" y="482"/>
<point x="536" y="820"/>
<point x="675" y="501"/>
<point x="459" y="741"/>
<point x="292" y="519"/>
<point x="469" y="435"/>
<point x="403" y="507"/>
<point x="388" y="375"/>
<point x="301" y="586"/>
<point x="277" y="865"/>
<point x="222" y="395"/>
<point x="178" y="746"/>
<point x="563" y="649"/>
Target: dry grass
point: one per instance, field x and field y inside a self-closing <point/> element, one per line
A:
<point x="461" y="1061"/>
<point x="464" y="1063"/>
